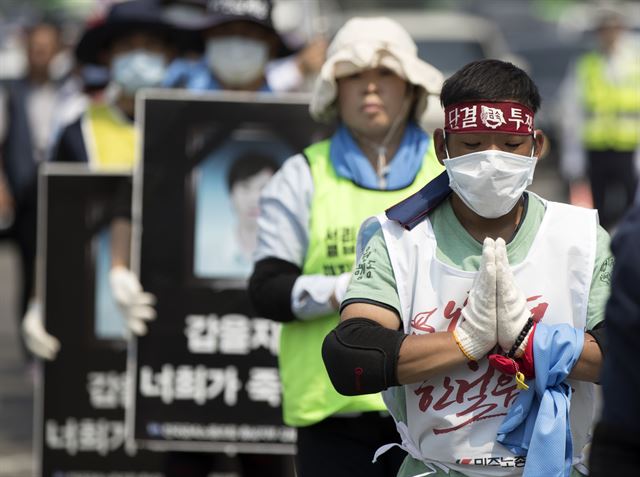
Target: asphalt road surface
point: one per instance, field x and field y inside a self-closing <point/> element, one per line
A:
<point x="16" y="379"/>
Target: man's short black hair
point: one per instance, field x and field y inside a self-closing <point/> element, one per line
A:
<point x="491" y="80"/>
<point x="249" y="164"/>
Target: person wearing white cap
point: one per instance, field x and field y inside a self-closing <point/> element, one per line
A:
<point x="376" y="87"/>
<point x="243" y="50"/>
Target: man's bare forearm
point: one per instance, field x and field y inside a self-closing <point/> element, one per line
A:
<point x="588" y="366"/>
<point x="120" y="242"/>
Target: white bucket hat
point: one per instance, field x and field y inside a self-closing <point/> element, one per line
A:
<point x="366" y="43"/>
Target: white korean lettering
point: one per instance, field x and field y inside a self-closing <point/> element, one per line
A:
<point x="159" y="384"/>
<point x="224" y="381"/>
<point x="528" y="120"/>
<point x="264" y="385"/>
<point x="266" y="334"/>
<point x="254" y="8"/>
<point x="454" y="118"/>
<point x="516" y="117"/>
<point x="469" y="119"/>
<point x="202" y="333"/>
<point x="93" y="436"/>
<point x="191" y="383"/>
<point x="107" y="390"/>
<point x="88" y="435"/>
<point x="235" y="334"/>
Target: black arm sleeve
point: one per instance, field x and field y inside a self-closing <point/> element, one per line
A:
<point x="270" y="288"/>
<point x="599" y="333"/>
<point x="361" y="356"/>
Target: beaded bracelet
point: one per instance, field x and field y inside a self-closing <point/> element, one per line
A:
<point x="523" y="334"/>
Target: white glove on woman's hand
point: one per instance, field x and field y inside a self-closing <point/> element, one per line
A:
<point x="135" y="303"/>
<point x="36" y="338"/>
<point x="340" y="289"/>
<point x="513" y="312"/>
<point x="476" y="335"/>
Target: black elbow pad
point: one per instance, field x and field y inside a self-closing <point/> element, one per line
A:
<point x="361" y="356"/>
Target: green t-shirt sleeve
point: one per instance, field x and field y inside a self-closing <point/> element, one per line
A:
<point x="373" y="278"/>
<point x="601" y="281"/>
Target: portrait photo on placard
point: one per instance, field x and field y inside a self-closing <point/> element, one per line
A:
<point x="226" y="187"/>
<point x="107" y="318"/>
<point x="109" y="321"/>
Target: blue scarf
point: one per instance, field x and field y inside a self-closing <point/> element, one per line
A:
<point x="537" y="425"/>
<point x="195" y="76"/>
<point x="350" y="162"/>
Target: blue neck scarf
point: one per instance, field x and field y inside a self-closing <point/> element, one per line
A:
<point x="350" y="162"/>
<point x="195" y="76"/>
<point x="537" y="424"/>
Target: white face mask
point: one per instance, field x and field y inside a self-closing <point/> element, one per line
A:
<point x="490" y="182"/>
<point x="235" y="60"/>
<point x="138" y="69"/>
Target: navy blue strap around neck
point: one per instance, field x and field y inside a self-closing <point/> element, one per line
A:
<point x="412" y="210"/>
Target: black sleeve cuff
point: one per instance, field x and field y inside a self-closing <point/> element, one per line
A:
<point x="270" y="288"/>
<point x="370" y="302"/>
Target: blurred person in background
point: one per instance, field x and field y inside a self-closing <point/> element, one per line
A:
<point x="247" y="177"/>
<point x="131" y="41"/>
<point x="242" y="49"/>
<point x="134" y="44"/>
<point x="376" y="86"/>
<point x="616" y="442"/>
<point x="601" y="122"/>
<point x="30" y="111"/>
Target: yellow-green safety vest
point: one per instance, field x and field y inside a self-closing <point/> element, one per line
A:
<point x="613" y="108"/>
<point x="109" y="139"/>
<point x="338" y="208"/>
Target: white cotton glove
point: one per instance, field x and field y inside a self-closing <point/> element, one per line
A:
<point x="36" y="338"/>
<point x="513" y="312"/>
<point x="476" y="335"/>
<point x="135" y="303"/>
<point x="340" y="288"/>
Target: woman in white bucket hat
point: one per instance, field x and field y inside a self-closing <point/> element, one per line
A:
<point x="368" y="43"/>
<point x="376" y="87"/>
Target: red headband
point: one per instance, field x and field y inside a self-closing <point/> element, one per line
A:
<point x="485" y="116"/>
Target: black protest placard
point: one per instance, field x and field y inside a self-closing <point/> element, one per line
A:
<point x="79" y="406"/>
<point x="206" y="374"/>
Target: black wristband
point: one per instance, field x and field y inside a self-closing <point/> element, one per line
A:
<point x="523" y="334"/>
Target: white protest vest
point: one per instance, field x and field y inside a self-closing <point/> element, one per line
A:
<point x="453" y="418"/>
